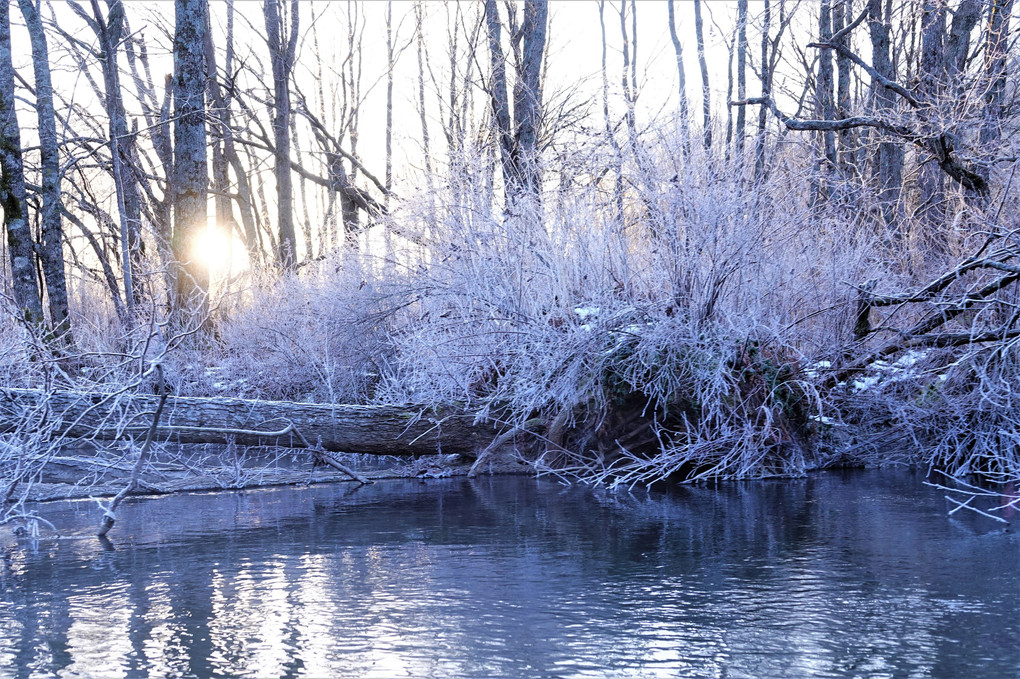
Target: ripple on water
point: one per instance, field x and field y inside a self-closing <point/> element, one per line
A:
<point x="518" y="578"/>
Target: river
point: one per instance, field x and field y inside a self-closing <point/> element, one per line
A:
<point x="856" y="574"/>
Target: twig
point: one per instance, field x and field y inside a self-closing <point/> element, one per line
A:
<point x="320" y="453"/>
<point x="109" y="516"/>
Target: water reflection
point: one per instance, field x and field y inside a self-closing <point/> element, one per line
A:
<point x="837" y="575"/>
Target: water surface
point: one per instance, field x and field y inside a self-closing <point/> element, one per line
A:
<point x="836" y="575"/>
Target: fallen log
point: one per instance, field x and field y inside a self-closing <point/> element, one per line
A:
<point x="379" y="430"/>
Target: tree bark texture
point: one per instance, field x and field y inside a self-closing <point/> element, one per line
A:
<point x="846" y="145"/>
<point x="52" y="247"/>
<point x="824" y="102"/>
<point x="377" y="430"/>
<point x="20" y="247"/>
<point x="528" y="93"/>
<point x="282" y="49"/>
<point x="888" y="157"/>
<point x="995" y="66"/>
<point x="931" y="201"/>
<point x="518" y="136"/>
<point x="191" y="174"/>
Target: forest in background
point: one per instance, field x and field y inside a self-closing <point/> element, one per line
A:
<point x="806" y="261"/>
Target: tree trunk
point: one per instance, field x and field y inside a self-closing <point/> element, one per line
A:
<point x="741" y="75"/>
<point x="824" y="103"/>
<point x="528" y="93"/>
<point x="389" y="103"/>
<point x="841" y="17"/>
<point x="281" y="51"/>
<point x="995" y="70"/>
<point x="931" y="209"/>
<point x="965" y="18"/>
<point x="110" y="31"/>
<point x="610" y="132"/>
<point x="52" y="250"/>
<point x="628" y="81"/>
<point x="766" y="91"/>
<point x="681" y="73"/>
<point x="12" y="186"/>
<point x="220" y="113"/>
<point x="518" y="137"/>
<point x="888" y="158"/>
<point x="377" y="430"/>
<point x="706" y="98"/>
<point x="245" y="202"/>
<point x="191" y="175"/>
<point x="498" y="80"/>
<point x="499" y="98"/>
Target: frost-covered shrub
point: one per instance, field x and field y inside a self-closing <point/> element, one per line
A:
<point x="318" y="335"/>
<point x="680" y="323"/>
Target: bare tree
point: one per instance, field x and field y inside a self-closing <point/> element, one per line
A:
<point x="518" y="137"/>
<point x="931" y="209"/>
<point x="12" y="186"/>
<point x="846" y="162"/>
<point x="219" y="118"/>
<point x="51" y="251"/>
<point x="888" y="155"/>
<point x="191" y="174"/>
<point x="825" y="106"/>
<point x="995" y="69"/>
<point x="282" y="49"/>
<point x="610" y="130"/>
<point x="706" y="90"/>
<point x="742" y="74"/>
<point x="222" y="104"/>
<point x="109" y="31"/>
<point x="390" y="64"/>
<point x="678" y="50"/>
<point x="766" y="88"/>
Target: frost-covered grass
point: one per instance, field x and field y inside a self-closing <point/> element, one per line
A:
<point x="690" y="336"/>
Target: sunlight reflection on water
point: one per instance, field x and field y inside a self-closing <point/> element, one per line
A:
<point x="512" y="577"/>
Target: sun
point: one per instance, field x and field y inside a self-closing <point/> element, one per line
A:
<point x="218" y="251"/>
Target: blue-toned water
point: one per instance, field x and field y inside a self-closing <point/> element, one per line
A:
<point x="836" y="575"/>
